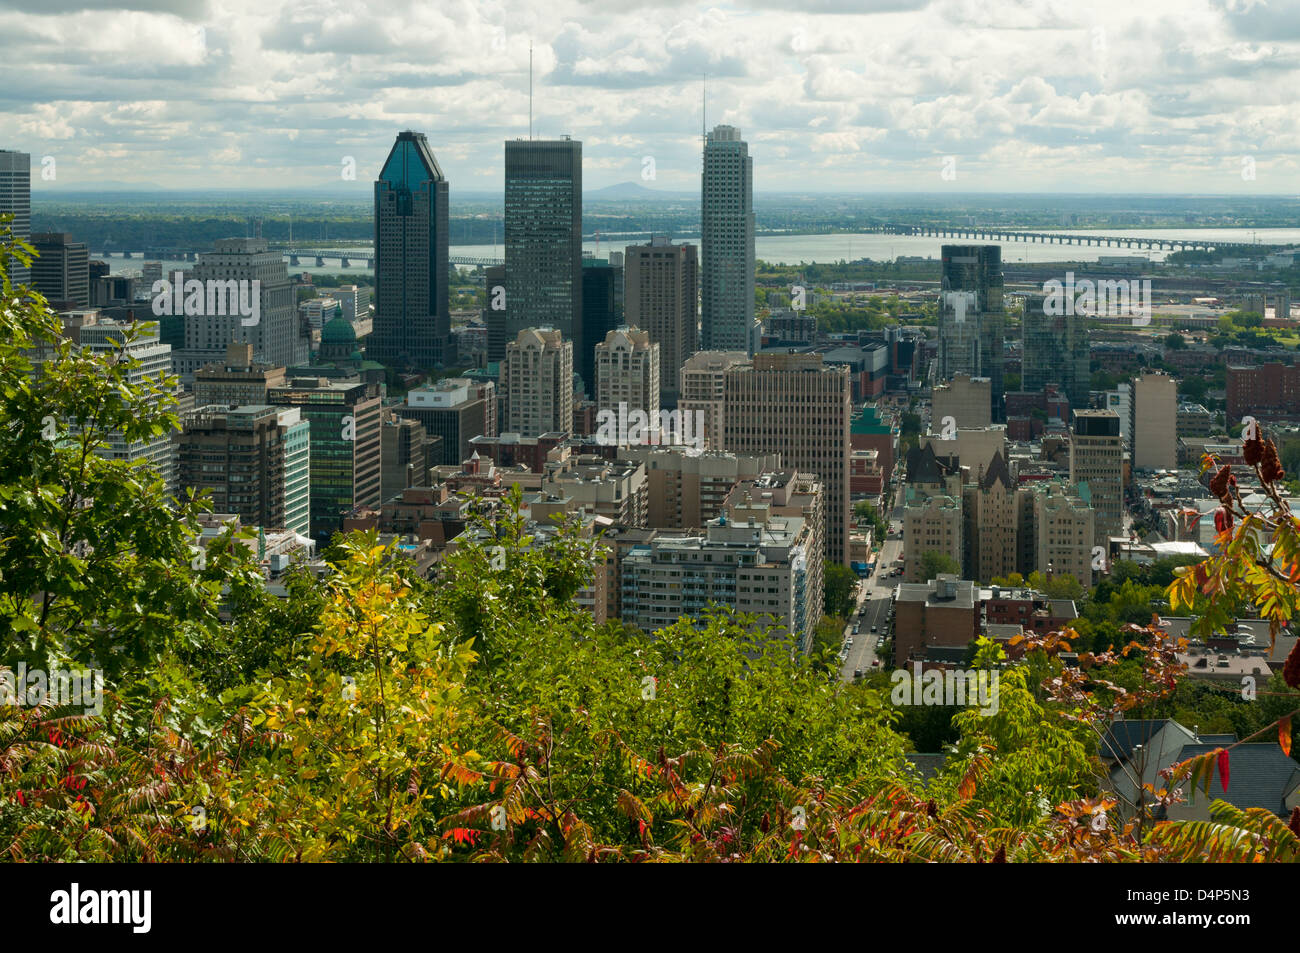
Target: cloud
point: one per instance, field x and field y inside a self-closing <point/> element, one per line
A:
<point x="1023" y="92"/>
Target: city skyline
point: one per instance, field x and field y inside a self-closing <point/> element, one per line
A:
<point x="916" y="96"/>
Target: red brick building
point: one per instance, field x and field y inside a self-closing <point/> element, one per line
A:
<point x="1269" y="390"/>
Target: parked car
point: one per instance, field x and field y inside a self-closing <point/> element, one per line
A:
<point x="857" y="673"/>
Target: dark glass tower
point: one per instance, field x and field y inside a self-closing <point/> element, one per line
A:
<point x="412" y="317"/>
<point x="1055" y="351"/>
<point x="602" y="312"/>
<point x="977" y="269"/>
<point x="544" y="238"/>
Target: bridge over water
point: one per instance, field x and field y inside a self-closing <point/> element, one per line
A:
<point x="345" y="255"/>
<point x="978" y="233"/>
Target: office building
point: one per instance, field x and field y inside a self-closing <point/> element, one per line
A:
<point x="727" y="244"/>
<point x="16" y="200"/>
<point x="237" y="380"/>
<point x="455" y="410"/>
<point x="1264" y="391"/>
<point x="346" y="446"/>
<point x="1097" y="459"/>
<point x="687" y="487"/>
<point x="1120" y="400"/>
<point x="412" y="326"/>
<point x="795" y="405"/>
<point x="61" y="270"/>
<point x="1054" y="350"/>
<point x="931" y="524"/>
<point x="406" y="450"/>
<point x="154" y="362"/>
<point x="966" y="400"/>
<point x="989" y="530"/>
<point x="602" y="310"/>
<point x="662" y="294"/>
<point x="1155" y="422"/>
<point x="537" y="383"/>
<point x="972" y="318"/>
<point x="252" y="460"/>
<point x="702" y="390"/>
<point x="494" y="312"/>
<point x="227" y="274"/>
<point x="543" y="239"/>
<point x="1063" y="532"/>
<point x="944" y="611"/>
<point x="752" y="564"/>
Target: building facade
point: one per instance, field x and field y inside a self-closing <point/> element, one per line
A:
<point x="798" y="407"/>
<point x="1097" y="459"/>
<point x="727" y="244"/>
<point x="537" y="383"/>
<point x="412" y="319"/>
<point x="254" y="461"/>
<point x="662" y="289"/>
<point x="346" y="446"/>
<point x="543" y="239"/>
<point x="627" y="373"/>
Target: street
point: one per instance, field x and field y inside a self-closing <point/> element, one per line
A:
<point x="874" y="597"/>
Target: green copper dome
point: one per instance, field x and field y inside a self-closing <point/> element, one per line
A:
<point x="338" y="331"/>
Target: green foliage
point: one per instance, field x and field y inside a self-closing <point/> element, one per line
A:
<point x="933" y="563"/>
<point x="840" y="583"/>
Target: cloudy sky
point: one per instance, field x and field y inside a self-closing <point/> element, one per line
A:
<point x="843" y="95"/>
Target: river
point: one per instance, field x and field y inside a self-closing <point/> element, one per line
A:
<point x="793" y="249"/>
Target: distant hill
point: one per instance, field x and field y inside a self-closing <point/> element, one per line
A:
<point x="635" y="192"/>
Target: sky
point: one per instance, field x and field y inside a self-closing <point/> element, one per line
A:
<point x="1180" y="96"/>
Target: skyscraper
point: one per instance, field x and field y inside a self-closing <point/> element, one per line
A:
<point x="543" y="212"/>
<point x="61" y="270"/>
<point x="663" y="282"/>
<point x="972" y="317"/>
<point x="1055" y="351"/>
<point x="16" y="200"/>
<point x="602" y="312"/>
<point x="412" y="318"/>
<point x="727" y="237"/>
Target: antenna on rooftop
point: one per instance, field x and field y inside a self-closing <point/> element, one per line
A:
<point x="704" y="109"/>
<point x="530" y="89"/>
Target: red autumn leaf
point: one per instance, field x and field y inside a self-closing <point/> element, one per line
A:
<point x="642" y="826"/>
<point x="1223" y="768"/>
<point x="1284" y="735"/>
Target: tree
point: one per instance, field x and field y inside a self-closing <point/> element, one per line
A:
<point x="840" y="583"/>
<point x="934" y="562"/>
<point x="1174" y="341"/>
<point x="100" y="567"/>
